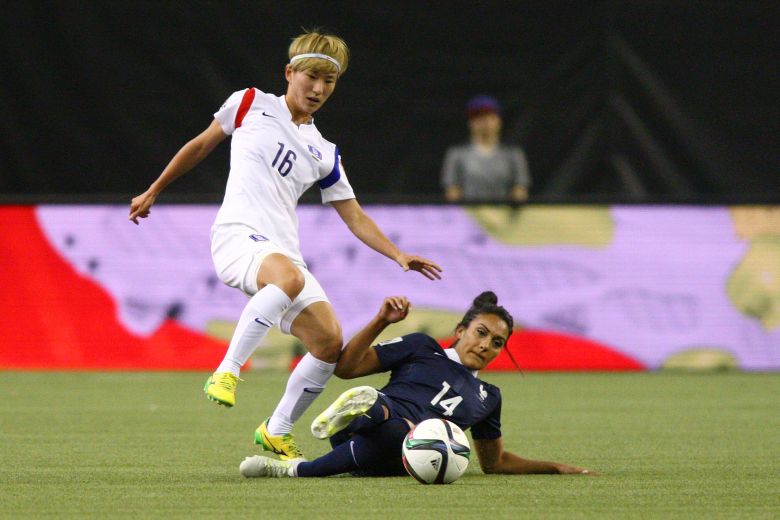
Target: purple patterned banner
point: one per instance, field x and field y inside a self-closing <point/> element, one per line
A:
<point x="665" y="285"/>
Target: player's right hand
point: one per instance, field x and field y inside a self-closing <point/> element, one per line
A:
<point x="394" y="309"/>
<point x="140" y="206"/>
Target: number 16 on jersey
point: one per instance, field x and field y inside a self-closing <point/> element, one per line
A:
<point x="286" y="164"/>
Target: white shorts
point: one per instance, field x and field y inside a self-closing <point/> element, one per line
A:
<point x="238" y="251"/>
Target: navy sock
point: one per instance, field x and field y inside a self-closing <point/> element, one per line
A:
<point x="377" y="411"/>
<point x="339" y="460"/>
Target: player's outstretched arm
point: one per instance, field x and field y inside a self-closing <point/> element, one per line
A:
<point x="494" y="459"/>
<point x="358" y="358"/>
<point x="189" y="156"/>
<point x="363" y="227"/>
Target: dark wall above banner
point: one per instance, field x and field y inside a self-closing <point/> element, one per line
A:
<point x="637" y="100"/>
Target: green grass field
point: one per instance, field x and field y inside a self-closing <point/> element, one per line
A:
<point x="149" y="445"/>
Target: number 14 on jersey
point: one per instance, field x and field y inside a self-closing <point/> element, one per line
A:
<point x="450" y="404"/>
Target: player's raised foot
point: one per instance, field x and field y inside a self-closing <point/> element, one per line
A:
<point x="283" y="445"/>
<point x="349" y="406"/>
<point x="259" y="466"/>
<point x="220" y="387"/>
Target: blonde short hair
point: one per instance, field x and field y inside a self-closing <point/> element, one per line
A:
<point x="315" y="42"/>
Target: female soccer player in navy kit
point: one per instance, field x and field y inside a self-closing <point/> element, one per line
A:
<point x="276" y="155"/>
<point x="366" y="427"/>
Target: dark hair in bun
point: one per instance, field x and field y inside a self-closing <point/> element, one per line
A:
<point x="486" y="298"/>
<point x="487" y="303"/>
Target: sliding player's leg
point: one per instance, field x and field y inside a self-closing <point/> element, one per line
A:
<point x="371" y="453"/>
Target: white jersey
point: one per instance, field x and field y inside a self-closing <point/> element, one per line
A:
<point x="272" y="163"/>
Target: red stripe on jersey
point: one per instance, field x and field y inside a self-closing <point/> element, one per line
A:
<point x="243" y="108"/>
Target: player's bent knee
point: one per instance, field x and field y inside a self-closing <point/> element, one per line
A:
<point x="291" y="282"/>
<point x="295" y="282"/>
<point x="327" y="347"/>
<point x="283" y="274"/>
<point x="330" y="351"/>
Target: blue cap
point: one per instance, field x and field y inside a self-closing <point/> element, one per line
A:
<point x="482" y="105"/>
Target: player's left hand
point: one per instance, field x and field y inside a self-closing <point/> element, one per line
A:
<point x="565" y="469"/>
<point x="426" y="267"/>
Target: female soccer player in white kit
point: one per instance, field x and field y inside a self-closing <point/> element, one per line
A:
<point x="276" y="155"/>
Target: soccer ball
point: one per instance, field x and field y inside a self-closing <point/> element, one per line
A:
<point x="436" y="451"/>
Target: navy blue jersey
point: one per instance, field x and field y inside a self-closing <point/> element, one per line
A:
<point x="425" y="383"/>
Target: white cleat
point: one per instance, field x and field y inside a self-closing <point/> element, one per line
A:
<point x="259" y="466"/>
<point x="349" y="406"/>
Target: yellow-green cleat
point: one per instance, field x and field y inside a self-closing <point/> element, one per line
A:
<point x="282" y="445"/>
<point x="220" y="387"/>
<point x="346" y="408"/>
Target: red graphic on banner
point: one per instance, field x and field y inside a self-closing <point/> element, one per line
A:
<point x="536" y="350"/>
<point x="54" y="318"/>
<point x="541" y="350"/>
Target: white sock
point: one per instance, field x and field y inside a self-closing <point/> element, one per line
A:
<point x="260" y="314"/>
<point x="306" y="383"/>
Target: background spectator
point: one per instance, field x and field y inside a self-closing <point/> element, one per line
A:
<point x="485" y="169"/>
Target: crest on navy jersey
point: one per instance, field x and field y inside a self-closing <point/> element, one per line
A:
<point x="389" y="341"/>
<point x="315" y="153"/>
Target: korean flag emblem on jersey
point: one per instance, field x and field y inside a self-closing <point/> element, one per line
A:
<point x="315" y="153"/>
